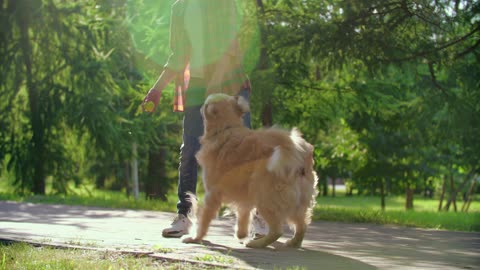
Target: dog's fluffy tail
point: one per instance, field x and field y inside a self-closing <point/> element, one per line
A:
<point x="291" y="159"/>
<point x="194" y="210"/>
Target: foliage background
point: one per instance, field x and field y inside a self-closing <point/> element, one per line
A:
<point x="387" y="91"/>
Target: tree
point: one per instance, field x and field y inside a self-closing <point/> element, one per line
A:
<point x="61" y="83"/>
<point x="385" y="90"/>
<point x="412" y="48"/>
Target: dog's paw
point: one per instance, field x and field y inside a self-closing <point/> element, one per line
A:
<point x="241" y="235"/>
<point x="293" y="243"/>
<point x="191" y="240"/>
<point x="256" y="244"/>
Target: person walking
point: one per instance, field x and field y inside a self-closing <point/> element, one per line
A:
<point x="206" y="58"/>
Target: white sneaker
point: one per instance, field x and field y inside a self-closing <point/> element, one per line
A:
<point x="180" y="226"/>
<point x="260" y="227"/>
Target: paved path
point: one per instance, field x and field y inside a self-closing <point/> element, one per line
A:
<point x="328" y="245"/>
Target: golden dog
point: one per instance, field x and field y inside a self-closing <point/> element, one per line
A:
<point x="270" y="170"/>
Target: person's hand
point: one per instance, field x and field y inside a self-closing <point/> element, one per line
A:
<point x="150" y="102"/>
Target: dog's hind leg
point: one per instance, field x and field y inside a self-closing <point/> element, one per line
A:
<point x="243" y="221"/>
<point x="274" y="232"/>
<point x="300" y="229"/>
<point x="209" y="212"/>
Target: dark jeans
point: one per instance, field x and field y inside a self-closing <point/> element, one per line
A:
<point x="192" y="131"/>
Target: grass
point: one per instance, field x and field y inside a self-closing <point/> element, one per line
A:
<point x="98" y="198"/>
<point x="395" y="203"/>
<point x="160" y="249"/>
<point x="215" y="259"/>
<point x="363" y="209"/>
<point x="455" y="221"/>
<point x="26" y="257"/>
<point x="366" y="209"/>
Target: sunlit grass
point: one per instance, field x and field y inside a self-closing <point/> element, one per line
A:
<point x="215" y="258"/>
<point x="107" y="199"/>
<point x="88" y="196"/>
<point x="367" y="209"/>
<point x="457" y="221"/>
<point x="396" y="203"/>
<point x="24" y="256"/>
<point x="342" y="208"/>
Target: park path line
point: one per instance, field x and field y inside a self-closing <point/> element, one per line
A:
<point x="327" y="245"/>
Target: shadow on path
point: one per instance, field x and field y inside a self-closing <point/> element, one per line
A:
<point x="278" y="256"/>
<point x="327" y="245"/>
<point x="51" y="214"/>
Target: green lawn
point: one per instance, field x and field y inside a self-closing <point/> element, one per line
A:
<point x="26" y="257"/>
<point x="393" y="203"/>
<point x="341" y="208"/>
<point x="100" y="198"/>
<point x="425" y="215"/>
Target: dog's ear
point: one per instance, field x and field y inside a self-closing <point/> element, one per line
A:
<point x="241" y="105"/>
<point x="202" y="110"/>
<point x="210" y="110"/>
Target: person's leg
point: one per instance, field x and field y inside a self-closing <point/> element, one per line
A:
<point x="259" y="227"/>
<point x="187" y="180"/>
<point x="192" y="130"/>
<point x="245" y="93"/>
<point x="188" y="168"/>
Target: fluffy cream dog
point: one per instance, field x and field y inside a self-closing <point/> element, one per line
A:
<point x="270" y="170"/>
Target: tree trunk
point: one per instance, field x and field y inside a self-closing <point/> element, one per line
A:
<point x="155" y="183"/>
<point x="267" y="111"/>
<point x="373" y="189"/>
<point x="442" y="194"/>
<point x="453" y="193"/>
<point x="263" y="60"/>
<point x="334" y="181"/>
<point x="318" y="75"/>
<point x="100" y="180"/>
<point x="267" y="115"/>
<point x="388" y="186"/>
<point x="134" y="166"/>
<point x="382" y="194"/>
<point x="425" y="187"/>
<point x="409" y="198"/>
<point x="468" y="200"/>
<point x="325" y="186"/>
<point x="127" y="178"/>
<point x="38" y="138"/>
